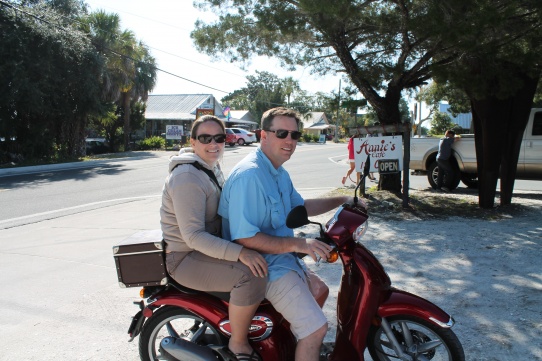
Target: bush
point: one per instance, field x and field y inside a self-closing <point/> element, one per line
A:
<point x="316" y="138"/>
<point x="307" y="137"/>
<point x="155" y="142"/>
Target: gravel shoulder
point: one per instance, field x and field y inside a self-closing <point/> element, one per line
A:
<point x="481" y="266"/>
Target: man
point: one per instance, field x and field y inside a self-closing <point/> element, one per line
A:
<point x="255" y="201"/>
<point x="443" y="160"/>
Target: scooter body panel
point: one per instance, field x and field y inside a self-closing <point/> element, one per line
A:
<point x="404" y="303"/>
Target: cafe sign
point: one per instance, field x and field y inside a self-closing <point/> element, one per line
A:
<point x="385" y="154"/>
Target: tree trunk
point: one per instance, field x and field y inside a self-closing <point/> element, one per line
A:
<point x="520" y="111"/>
<point x="499" y="125"/>
<point x="127" y="130"/>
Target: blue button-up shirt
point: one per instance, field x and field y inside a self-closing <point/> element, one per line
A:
<point x="257" y="198"/>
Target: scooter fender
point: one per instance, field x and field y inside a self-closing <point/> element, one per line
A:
<point x="404" y="303"/>
<point x="210" y="308"/>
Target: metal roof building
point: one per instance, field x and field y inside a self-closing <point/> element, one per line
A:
<point x="177" y="109"/>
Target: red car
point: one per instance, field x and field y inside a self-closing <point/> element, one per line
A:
<point x="231" y="139"/>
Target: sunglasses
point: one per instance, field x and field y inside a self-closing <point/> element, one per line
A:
<point x="207" y="138"/>
<point x="282" y="133"/>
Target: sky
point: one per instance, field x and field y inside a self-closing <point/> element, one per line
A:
<point x="165" y="26"/>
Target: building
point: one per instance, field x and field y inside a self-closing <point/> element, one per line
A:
<point x="241" y="119"/>
<point x="464" y="120"/>
<point x="316" y="123"/>
<point x="177" y="109"/>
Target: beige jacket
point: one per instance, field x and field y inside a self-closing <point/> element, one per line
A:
<point x="188" y="215"/>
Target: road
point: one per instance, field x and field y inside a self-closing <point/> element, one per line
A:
<point x="49" y="194"/>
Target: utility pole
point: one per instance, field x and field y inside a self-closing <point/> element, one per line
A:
<point x="338" y="110"/>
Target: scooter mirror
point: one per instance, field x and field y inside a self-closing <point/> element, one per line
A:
<point x="297" y="217"/>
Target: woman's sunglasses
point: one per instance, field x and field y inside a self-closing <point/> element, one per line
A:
<point x="282" y="133"/>
<point x="207" y="138"/>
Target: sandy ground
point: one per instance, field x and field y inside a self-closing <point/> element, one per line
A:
<point x="486" y="273"/>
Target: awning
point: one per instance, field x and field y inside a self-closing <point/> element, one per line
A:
<point x="320" y="127"/>
<point x="239" y="121"/>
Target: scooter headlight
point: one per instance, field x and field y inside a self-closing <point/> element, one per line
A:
<point x="360" y="231"/>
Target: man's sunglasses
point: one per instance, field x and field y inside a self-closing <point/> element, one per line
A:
<point x="282" y="133"/>
<point x="207" y="138"/>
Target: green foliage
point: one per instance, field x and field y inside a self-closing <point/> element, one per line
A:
<point x="315" y="138"/>
<point x="152" y="143"/>
<point x="49" y="82"/>
<point x="440" y="123"/>
<point x="307" y="137"/>
<point x="264" y="91"/>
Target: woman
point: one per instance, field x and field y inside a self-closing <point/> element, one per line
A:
<point x="351" y="161"/>
<point x="196" y="256"/>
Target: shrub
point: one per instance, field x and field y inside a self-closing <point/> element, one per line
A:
<point x="155" y="142"/>
<point x="307" y="137"/>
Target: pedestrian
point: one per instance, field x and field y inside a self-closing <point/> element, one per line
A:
<point x="445" y="170"/>
<point x="257" y="197"/>
<point x="351" y="161"/>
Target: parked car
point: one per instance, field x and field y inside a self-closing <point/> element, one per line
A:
<point x="96" y="146"/>
<point x="423" y="154"/>
<point x="231" y="138"/>
<point x="244" y="137"/>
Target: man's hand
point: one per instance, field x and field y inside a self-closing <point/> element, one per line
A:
<point x="314" y="248"/>
<point x="254" y="261"/>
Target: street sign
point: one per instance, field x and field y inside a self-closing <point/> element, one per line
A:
<point x="386" y="166"/>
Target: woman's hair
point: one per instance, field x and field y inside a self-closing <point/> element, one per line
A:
<point x="203" y="119"/>
<point x="268" y="116"/>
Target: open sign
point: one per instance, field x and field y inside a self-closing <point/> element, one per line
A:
<point x="388" y="166"/>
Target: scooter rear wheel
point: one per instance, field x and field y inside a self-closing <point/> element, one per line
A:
<point x="430" y="342"/>
<point x="175" y="322"/>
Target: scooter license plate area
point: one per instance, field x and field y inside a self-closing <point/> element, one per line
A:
<point x="135" y="325"/>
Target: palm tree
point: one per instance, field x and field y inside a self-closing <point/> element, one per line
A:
<point x="130" y="69"/>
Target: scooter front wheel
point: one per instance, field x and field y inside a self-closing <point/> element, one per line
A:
<point x="418" y="338"/>
<point x="179" y="323"/>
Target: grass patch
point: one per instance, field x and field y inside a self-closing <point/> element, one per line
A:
<point x="430" y="205"/>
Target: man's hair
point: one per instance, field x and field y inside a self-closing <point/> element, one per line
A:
<point x="203" y="119"/>
<point x="451" y="132"/>
<point x="268" y="116"/>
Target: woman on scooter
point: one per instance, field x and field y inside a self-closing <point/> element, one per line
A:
<point x="196" y="256"/>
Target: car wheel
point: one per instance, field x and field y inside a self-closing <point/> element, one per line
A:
<point x="432" y="173"/>
<point x="470" y="180"/>
<point x="241" y="141"/>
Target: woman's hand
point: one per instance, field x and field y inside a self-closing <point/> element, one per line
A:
<point x="254" y="261"/>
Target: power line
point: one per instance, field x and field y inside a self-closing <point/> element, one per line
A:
<point x="106" y="48"/>
<point x="167" y="52"/>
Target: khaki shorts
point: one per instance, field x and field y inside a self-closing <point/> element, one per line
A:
<point x="201" y="272"/>
<point x="290" y="295"/>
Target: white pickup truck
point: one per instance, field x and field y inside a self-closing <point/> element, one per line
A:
<point x="423" y="154"/>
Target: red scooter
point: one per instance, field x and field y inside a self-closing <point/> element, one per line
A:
<point x="183" y="324"/>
